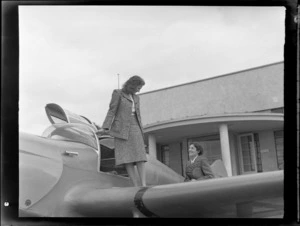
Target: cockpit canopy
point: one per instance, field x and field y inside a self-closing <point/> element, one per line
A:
<point x="68" y="126"/>
<point x="73" y="132"/>
<point x="57" y="115"/>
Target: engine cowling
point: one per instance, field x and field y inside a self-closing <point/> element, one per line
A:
<point x="40" y="168"/>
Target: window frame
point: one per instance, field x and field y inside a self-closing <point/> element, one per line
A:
<point x="276" y="148"/>
<point x="252" y="153"/>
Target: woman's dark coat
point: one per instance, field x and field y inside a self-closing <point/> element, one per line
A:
<point x="199" y="170"/>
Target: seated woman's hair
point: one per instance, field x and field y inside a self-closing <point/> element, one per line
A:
<point x="134" y="81"/>
<point x="198" y="147"/>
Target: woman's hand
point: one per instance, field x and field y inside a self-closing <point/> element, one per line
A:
<point x="96" y="125"/>
<point x="101" y="132"/>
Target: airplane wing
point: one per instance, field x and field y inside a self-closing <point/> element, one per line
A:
<point x="220" y="197"/>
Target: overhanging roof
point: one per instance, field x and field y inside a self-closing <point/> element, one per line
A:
<point x="172" y="130"/>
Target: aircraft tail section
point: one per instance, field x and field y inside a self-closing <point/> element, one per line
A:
<point x="219" y="169"/>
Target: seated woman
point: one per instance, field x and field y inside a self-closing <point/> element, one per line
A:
<point x="197" y="168"/>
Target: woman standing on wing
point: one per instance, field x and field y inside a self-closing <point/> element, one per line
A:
<point x="197" y="168"/>
<point x="123" y="122"/>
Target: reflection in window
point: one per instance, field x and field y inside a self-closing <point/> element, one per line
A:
<point x="108" y="159"/>
<point x="278" y="135"/>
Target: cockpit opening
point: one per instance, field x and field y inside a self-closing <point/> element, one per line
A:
<point x="107" y="163"/>
<point x="68" y="126"/>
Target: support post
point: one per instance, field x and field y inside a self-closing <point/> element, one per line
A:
<point x="152" y="145"/>
<point x="225" y="148"/>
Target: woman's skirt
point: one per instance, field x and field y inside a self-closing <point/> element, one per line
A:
<point x="133" y="149"/>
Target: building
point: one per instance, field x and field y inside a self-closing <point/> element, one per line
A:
<point x="237" y="117"/>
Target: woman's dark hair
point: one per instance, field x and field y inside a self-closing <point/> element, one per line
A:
<point x="198" y="147"/>
<point x="133" y="81"/>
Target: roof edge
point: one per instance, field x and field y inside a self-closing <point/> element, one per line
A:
<point x="217" y="76"/>
<point x="215" y="118"/>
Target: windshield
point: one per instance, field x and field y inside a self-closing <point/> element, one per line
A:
<point x="74" y="132"/>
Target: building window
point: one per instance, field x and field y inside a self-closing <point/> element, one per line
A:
<point x="278" y="110"/>
<point x="165" y="154"/>
<point x="211" y="146"/>
<point x="278" y="135"/>
<point x="247" y="152"/>
<point x="258" y="154"/>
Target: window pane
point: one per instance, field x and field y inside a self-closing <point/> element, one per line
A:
<point x="247" y="155"/>
<point x="258" y="154"/>
<point x="278" y="135"/>
<point x="247" y="168"/>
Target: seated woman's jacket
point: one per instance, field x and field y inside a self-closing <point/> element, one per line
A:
<point x="199" y="170"/>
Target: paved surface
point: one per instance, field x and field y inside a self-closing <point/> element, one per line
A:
<point x="271" y="208"/>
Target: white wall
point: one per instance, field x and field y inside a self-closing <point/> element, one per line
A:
<point x="248" y="91"/>
<point x="268" y="151"/>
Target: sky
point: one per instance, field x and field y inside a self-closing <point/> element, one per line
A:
<point x="72" y="55"/>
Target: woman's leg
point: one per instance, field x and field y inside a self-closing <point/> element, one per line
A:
<point x="141" y="169"/>
<point x="131" y="172"/>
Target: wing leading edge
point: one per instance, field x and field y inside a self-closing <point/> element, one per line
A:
<point x="219" y="197"/>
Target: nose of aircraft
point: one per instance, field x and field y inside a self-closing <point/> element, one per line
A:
<point x="40" y="167"/>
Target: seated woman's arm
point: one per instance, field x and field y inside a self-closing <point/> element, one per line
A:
<point x="186" y="179"/>
<point x="206" y="169"/>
